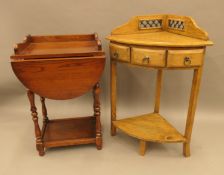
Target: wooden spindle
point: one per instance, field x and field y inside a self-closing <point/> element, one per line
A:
<point x="44" y="110"/>
<point x="44" y="113"/>
<point x="39" y="142"/>
<point x="96" y="106"/>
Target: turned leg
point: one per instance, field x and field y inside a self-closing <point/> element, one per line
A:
<point x="113" y="94"/>
<point x="44" y="113"/>
<point x="96" y="106"/>
<point x="158" y="90"/>
<point x="39" y="142"/>
<point x="191" y="110"/>
<point x="142" y="147"/>
<point x="44" y="110"/>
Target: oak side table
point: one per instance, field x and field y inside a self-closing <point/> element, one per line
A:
<point x="160" y="42"/>
<point x="61" y="67"/>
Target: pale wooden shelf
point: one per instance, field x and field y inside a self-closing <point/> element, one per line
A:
<point x="150" y="127"/>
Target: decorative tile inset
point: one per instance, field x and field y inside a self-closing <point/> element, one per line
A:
<point x="176" y="24"/>
<point x="151" y="23"/>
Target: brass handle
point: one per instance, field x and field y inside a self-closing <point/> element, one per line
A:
<point x="115" y="55"/>
<point x="146" y="60"/>
<point x="187" y="61"/>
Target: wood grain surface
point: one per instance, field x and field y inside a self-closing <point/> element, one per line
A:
<point x="149" y="127"/>
<point x="60" y="78"/>
<point x="163" y="38"/>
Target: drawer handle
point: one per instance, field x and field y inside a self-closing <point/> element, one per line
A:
<point x="146" y="60"/>
<point x="115" y="55"/>
<point x="187" y="61"/>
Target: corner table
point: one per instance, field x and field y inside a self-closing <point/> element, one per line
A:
<point x="161" y="42"/>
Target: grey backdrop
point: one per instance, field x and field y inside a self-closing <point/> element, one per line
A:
<point x="136" y="86"/>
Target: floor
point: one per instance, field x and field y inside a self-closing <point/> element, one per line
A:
<point x="119" y="154"/>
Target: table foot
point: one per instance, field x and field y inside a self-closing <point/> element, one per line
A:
<point x="40" y="149"/>
<point x="142" y="147"/>
<point x="186" y="150"/>
<point x="99" y="142"/>
<point x="113" y="131"/>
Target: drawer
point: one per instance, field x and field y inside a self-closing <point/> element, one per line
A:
<point x="185" y="58"/>
<point x="148" y="57"/>
<point x="120" y="52"/>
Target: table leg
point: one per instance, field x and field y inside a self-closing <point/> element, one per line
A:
<point x="191" y="110"/>
<point x="142" y="147"/>
<point x="39" y="142"/>
<point x="44" y="110"/>
<point x="44" y="113"/>
<point x="96" y="106"/>
<point x="113" y="95"/>
<point x="158" y="90"/>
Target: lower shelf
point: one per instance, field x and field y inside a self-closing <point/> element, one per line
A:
<point x="72" y="131"/>
<point x="149" y="127"/>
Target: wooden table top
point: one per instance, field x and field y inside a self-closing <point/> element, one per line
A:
<point x="162" y="38"/>
<point x="58" y="46"/>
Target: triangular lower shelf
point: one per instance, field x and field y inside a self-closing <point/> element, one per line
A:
<point x="149" y="127"/>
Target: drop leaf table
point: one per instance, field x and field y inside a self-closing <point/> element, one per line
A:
<point x="162" y="42"/>
<point x="61" y="67"/>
